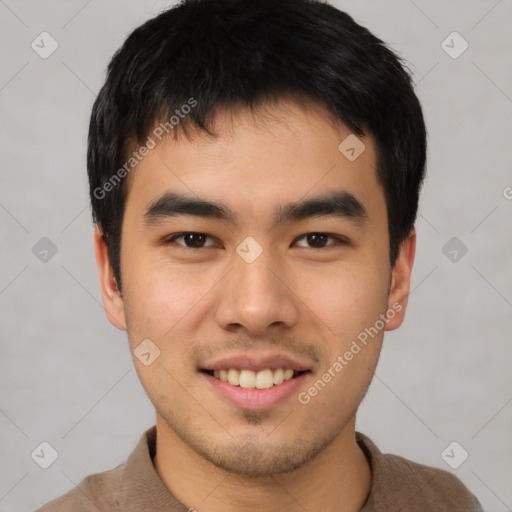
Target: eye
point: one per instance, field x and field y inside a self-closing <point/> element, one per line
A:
<point x="190" y="239"/>
<point x="319" y="240"/>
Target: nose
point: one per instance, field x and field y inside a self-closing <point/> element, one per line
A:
<point x="256" y="297"/>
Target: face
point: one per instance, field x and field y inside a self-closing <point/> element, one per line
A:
<point x="248" y="256"/>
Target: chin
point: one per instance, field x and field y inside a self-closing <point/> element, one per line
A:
<point x="261" y="458"/>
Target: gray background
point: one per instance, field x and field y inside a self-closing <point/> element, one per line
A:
<point x="66" y="374"/>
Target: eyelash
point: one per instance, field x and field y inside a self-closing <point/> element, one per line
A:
<point x="338" y="239"/>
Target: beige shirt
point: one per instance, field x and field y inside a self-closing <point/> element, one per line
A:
<point x="397" y="485"/>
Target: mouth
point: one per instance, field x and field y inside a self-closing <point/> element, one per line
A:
<point x="256" y="390"/>
<point x="250" y="379"/>
<point x="255" y="381"/>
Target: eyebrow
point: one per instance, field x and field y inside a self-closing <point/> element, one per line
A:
<point x="340" y="204"/>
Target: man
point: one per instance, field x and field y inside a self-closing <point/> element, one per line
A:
<point x="254" y="170"/>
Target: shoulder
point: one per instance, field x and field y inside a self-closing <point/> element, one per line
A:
<point x="398" y="482"/>
<point x="421" y="484"/>
<point x="95" y="492"/>
<point x="119" y="489"/>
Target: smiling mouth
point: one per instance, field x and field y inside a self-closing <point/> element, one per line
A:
<point x="249" y="379"/>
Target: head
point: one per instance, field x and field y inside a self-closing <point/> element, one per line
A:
<point x="278" y="129"/>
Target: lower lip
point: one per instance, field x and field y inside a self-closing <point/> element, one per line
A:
<point x="256" y="399"/>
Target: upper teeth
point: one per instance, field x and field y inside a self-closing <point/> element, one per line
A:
<point x="248" y="379"/>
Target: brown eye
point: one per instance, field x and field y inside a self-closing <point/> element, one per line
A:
<point x="190" y="240"/>
<point x="319" y="240"/>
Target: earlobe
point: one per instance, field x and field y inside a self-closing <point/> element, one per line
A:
<point x="401" y="282"/>
<point x="112" y="299"/>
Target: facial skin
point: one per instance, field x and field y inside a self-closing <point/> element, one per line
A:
<point x="305" y="302"/>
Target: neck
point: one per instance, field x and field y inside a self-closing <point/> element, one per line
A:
<point x="338" y="479"/>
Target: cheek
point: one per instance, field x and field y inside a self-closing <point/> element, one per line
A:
<point x="160" y="306"/>
<point x="161" y="297"/>
<point x="347" y="298"/>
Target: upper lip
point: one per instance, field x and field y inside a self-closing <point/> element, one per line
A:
<point x="255" y="363"/>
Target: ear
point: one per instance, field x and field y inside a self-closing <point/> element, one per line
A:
<point x="112" y="299"/>
<point x="401" y="282"/>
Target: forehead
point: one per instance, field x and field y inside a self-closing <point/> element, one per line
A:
<point x="260" y="158"/>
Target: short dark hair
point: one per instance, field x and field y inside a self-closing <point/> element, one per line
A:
<point x="211" y="54"/>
